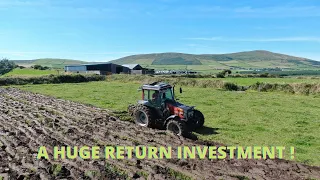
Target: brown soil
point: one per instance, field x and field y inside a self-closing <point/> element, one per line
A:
<point x="28" y="121"/>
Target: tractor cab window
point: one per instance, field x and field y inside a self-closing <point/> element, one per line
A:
<point x="167" y="95"/>
<point x="154" y="97"/>
<point x="145" y="95"/>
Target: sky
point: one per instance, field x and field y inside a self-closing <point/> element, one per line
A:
<point x="103" y="30"/>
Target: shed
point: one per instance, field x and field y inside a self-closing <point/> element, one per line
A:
<point x="133" y="66"/>
<point x="99" y="68"/>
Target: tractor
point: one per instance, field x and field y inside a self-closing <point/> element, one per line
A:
<point x="159" y="106"/>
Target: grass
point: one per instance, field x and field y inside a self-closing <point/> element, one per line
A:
<point x="53" y="63"/>
<point x="232" y="118"/>
<point x="28" y="72"/>
<point x="178" y="175"/>
<point x="56" y="169"/>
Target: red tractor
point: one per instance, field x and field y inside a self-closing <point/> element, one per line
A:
<point x="159" y="106"/>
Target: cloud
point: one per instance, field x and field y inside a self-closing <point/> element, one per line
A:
<point x="80" y="53"/>
<point x="207" y="11"/>
<point x="282" y="39"/>
<point x="278" y="11"/>
<point x="204" y="39"/>
<point x="272" y="28"/>
<point x="23" y="3"/>
<point x="285" y="39"/>
<point x="159" y="9"/>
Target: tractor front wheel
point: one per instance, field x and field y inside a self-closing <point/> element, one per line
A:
<point x="198" y="119"/>
<point x="177" y="127"/>
<point x="143" y="116"/>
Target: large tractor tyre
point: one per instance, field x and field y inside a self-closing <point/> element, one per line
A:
<point x="177" y="127"/>
<point x="198" y="118"/>
<point x="143" y="116"/>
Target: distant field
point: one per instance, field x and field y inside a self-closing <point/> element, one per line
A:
<point x="250" y="81"/>
<point x="52" y="63"/>
<point x="30" y="72"/>
<point x="232" y="118"/>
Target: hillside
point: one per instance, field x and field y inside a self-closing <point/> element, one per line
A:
<point x="248" y="59"/>
<point x="50" y="62"/>
<point x="199" y="62"/>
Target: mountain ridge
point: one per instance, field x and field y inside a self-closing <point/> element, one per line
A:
<point x="245" y="59"/>
<point x="256" y="58"/>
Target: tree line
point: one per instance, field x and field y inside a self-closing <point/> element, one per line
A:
<point x="6" y="66"/>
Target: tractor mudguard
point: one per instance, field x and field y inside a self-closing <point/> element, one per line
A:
<point x="145" y="103"/>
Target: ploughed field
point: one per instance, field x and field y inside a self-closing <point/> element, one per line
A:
<point x="28" y="121"/>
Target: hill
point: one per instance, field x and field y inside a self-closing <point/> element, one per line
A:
<point x="50" y="62"/>
<point x="248" y="59"/>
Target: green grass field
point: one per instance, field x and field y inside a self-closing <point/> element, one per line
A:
<point x="232" y="118"/>
<point x="50" y="62"/>
<point x="27" y="72"/>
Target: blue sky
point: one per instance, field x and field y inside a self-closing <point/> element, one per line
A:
<point x="102" y="30"/>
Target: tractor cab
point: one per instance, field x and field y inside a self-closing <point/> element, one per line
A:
<point x="157" y="94"/>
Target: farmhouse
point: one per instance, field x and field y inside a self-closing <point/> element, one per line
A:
<point x="102" y="69"/>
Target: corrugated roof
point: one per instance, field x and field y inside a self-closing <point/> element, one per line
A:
<point x="96" y="64"/>
<point x="89" y="64"/>
<point x="130" y="66"/>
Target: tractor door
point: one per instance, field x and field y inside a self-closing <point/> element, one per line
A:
<point x="155" y="98"/>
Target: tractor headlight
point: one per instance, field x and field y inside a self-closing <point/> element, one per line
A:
<point x="181" y="113"/>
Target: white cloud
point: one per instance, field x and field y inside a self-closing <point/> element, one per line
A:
<point x="244" y="12"/>
<point x="24" y="3"/>
<point x="204" y="38"/>
<point x="284" y="39"/>
<point x="41" y="52"/>
<point x="113" y="9"/>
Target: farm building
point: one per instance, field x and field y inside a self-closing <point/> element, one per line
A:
<point x="137" y="69"/>
<point x="102" y="68"/>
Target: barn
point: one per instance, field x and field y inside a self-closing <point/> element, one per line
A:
<point x="101" y="68"/>
<point x="137" y="69"/>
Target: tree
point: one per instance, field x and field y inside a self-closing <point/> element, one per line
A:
<point x="224" y="73"/>
<point x="227" y="71"/>
<point x="220" y="75"/>
<point x="6" y="66"/>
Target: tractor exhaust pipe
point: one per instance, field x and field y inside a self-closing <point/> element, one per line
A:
<point x="174" y="94"/>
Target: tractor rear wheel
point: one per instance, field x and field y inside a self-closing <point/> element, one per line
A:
<point x="143" y="116"/>
<point x="198" y="118"/>
<point x="177" y="127"/>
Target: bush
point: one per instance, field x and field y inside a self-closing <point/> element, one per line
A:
<point x="264" y="75"/>
<point x="51" y="79"/>
<point x="21" y="67"/>
<point x="230" y="86"/>
<point x="39" y="67"/>
<point x="6" y="66"/>
<point x="220" y="75"/>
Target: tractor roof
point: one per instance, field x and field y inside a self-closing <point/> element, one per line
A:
<point x="157" y="86"/>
